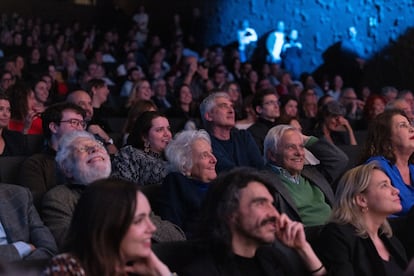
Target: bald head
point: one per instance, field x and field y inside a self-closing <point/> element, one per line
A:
<point x="82" y="98"/>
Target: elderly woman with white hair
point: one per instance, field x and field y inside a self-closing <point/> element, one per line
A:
<point x="193" y="167"/>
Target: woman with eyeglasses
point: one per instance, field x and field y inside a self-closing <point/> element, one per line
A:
<point x="25" y="117"/>
<point x="390" y="142"/>
<point x="11" y="142"/>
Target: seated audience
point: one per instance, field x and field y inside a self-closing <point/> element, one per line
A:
<point x="402" y="105"/>
<point x="358" y="239"/>
<point x="11" y="142"/>
<point x="266" y="105"/>
<point x="39" y="172"/>
<point x="23" y="236"/>
<point x="142" y="159"/>
<point x="24" y="115"/>
<point x="239" y="220"/>
<point x="231" y="147"/>
<point x="390" y="142"/>
<point x="305" y="192"/>
<point x="193" y="167"/>
<point x="333" y="126"/>
<point x="110" y="234"/>
<point x="374" y="106"/>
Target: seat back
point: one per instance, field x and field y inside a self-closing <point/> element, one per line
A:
<point x="10" y="168"/>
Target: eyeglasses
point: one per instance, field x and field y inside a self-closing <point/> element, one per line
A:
<point x="7" y="79"/>
<point x="90" y="148"/>
<point x="75" y="123"/>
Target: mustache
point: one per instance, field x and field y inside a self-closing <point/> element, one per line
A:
<point x="268" y="220"/>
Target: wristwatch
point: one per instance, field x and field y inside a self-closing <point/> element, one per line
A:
<point x="109" y="142"/>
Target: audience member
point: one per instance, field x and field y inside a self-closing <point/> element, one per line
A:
<point x="389" y="93"/>
<point x="266" y="105"/>
<point x="23" y="236"/>
<point x="232" y="147"/>
<point x="390" y="143"/>
<point x="117" y="239"/>
<point x="306" y="191"/>
<point x="333" y="126"/>
<point x="358" y="239"/>
<point x="193" y="167"/>
<point x="24" y="115"/>
<point x="41" y="94"/>
<point x="82" y="160"/>
<point x="140" y="91"/>
<point x="6" y="80"/>
<point x="239" y="221"/>
<point x="403" y="105"/>
<point x="142" y="159"/>
<point x="39" y="172"/>
<point x="11" y="142"/>
<point x="184" y="114"/>
<point x="84" y="100"/>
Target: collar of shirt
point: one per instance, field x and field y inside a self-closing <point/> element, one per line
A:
<point x="281" y="171"/>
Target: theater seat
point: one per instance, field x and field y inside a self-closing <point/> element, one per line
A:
<point x="10" y="168"/>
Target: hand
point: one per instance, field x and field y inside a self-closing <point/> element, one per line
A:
<point x="344" y="122"/>
<point x="97" y="130"/>
<point x="147" y="266"/>
<point x="32" y="247"/>
<point x="290" y="233"/>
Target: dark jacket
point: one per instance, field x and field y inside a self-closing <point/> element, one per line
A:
<point x="332" y="164"/>
<point x="345" y="253"/>
<point x="14" y="143"/>
<point x="259" y="130"/>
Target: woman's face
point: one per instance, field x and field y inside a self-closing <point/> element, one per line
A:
<point x="333" y="122"/>
<point x="204" y="162"/>
<point x="136" y="243"/>
<point x="31" y="101"/>
<point x="41" y="91"/>
<point x="4" y="113"/>
<point x="381" y="197"/>
<point x="159" y="134"/>
<point x="291" y="108"/>
<point x="402" y="134"/>
<point x="233" y="92"/>
<point x="144" y="91"/>
<point x="378" y="107"/>
<point x="185" y="95"/>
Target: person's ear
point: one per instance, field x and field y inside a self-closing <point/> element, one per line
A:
<point x="53" y="127"/>
<point x="208" y="117"/>
<point x="361" y="200"/>
<point x="259" y="109"/>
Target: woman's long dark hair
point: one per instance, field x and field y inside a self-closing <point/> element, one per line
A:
<point x="101" y="219"/>
<point x="141" y="128"/>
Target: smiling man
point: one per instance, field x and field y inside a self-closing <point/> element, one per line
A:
<point x="232" y="147"/>
<point x="306" y="192"/>
<point x="82" y="159"/>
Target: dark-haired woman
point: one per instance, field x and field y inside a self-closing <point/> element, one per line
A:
<point x="11" y="142"/>
<point x="142" y="159"/>
<point x="110" y="241"/>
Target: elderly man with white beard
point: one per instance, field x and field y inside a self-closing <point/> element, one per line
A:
<point x="83" y="160"/>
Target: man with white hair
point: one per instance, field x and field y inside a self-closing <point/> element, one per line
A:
<point x="305" y="192"/>
<point x="82" y="159"/>
<point x="232" y="147"/>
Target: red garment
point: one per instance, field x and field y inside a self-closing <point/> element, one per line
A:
<point x="35" y="128"/>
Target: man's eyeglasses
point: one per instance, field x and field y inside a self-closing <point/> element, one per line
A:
<point x="90" y="148"/>
<point x="75" y="123"/>
<point x="271" y="103"/>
